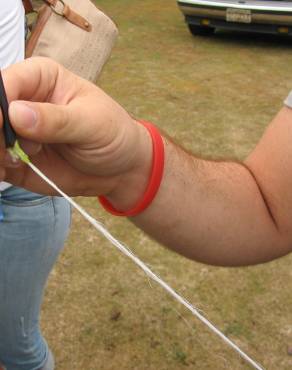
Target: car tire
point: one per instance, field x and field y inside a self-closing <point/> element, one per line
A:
<point x="201" y="30"/>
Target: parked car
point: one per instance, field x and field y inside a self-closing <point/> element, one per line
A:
<point x="204" y="16"/>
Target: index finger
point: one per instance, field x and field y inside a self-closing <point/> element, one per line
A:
<point x="33" y="79"/>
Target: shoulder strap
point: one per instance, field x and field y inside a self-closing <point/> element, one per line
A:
<point x="27" y="6"/>
<point x="66" y="12"/>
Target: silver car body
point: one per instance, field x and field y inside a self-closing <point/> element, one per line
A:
<point x="251" y="15"/>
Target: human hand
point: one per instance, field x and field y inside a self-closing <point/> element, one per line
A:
<point x="75" y="133"/>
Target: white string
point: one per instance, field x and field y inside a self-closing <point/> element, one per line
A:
<point x="146" y="269"/>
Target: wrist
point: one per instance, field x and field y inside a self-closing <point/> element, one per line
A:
<point x="132" y="183"/>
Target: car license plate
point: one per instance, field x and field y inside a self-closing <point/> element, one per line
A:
<point x="238" y="15"/>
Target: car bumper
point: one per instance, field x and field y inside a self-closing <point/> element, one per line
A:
<point x="258" y="16"/>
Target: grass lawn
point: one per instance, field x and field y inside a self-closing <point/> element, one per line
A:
<point x="215" y="95"/>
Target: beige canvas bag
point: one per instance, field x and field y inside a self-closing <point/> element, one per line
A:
<point x="75" y="33"/>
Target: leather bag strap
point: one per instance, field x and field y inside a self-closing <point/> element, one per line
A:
<point x="27" y="6"/>
<point x="65" y="12"/>
<point x="61" y="8"/>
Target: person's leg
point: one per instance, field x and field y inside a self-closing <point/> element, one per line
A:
<point x="31" y="236"/>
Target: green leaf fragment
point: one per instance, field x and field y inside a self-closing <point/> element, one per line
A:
<point x="17" y="153"/>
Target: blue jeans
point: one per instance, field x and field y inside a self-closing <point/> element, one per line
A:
<point x="32" y="234"/>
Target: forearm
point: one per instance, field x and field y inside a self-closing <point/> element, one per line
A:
<point x="213" y="212"/>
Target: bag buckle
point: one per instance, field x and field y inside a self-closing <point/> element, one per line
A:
<point x="54" y="7"/>
<point x="60" y="8"/>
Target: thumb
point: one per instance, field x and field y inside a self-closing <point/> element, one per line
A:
<point x="43" y="122"/>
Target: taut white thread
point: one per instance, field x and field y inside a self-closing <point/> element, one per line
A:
<point x="146" y="269"/>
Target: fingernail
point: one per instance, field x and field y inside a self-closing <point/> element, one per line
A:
<point x="22" y="115"/>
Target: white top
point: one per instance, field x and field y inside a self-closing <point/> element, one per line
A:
<point x="12" y="34"/>
<point x="288" y="100"/>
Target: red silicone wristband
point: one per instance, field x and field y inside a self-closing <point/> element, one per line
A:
<point x="155" y="177"/>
